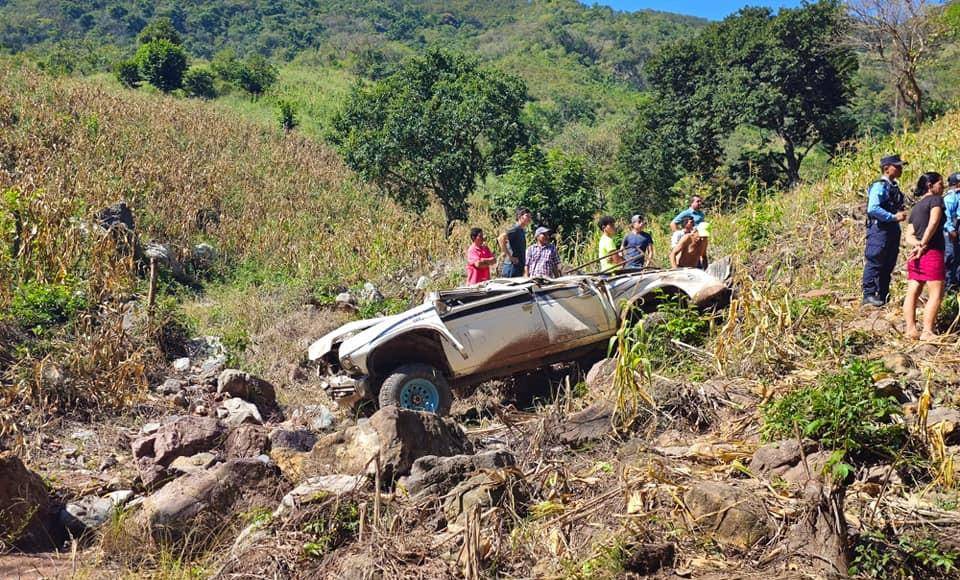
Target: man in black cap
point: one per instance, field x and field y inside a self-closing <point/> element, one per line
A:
<point x="951" y="201"/>
<point x="885" y="211"/>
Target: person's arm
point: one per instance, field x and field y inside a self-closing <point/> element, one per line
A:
<point x="555" y="263"/>
<point x="490" y="260"/>
<point x="877" y="196"/>
<point x="649" y="251"/>
<point x="676" y="251"/>
<point x="504" y="244"/>
<point x="703" y="257"/>
<point x="950" y="226"/>
<point x="675" y="222"/>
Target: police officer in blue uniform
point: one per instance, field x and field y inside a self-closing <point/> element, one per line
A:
<point x="885" y="211"/>
<point x="951" y="200"/>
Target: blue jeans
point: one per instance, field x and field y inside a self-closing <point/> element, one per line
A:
<point x="510" y="270"/>
<point x="880" y="257"/>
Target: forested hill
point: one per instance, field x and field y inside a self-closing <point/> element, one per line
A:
<point x="615" y="44"/>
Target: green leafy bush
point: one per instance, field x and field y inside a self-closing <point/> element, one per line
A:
<point x="128" y="73"/>
<point x="560" y="189"/>
<point x="162" y="64"/>
<point x="287" y="115"/>
<point x="39" y="306"/>
<point x="198" y="83"/>
<point x="843" y="412"/>
<point x="882" y="555"/>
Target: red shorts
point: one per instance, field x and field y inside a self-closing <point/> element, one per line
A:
<point x="929" y="267"/>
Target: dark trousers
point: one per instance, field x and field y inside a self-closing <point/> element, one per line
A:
<point x="880" y="258"/>
<point x="952" y="258"/>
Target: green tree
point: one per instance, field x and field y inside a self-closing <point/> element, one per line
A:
<point x="198" y="83"/>
<point x="784" y="74"/>
<point x="433" y="127"/>
<point x="256" y="75"/>
<point x="160" y="29"/>
<point x="162" y="64"/>
<point x="559" y="189"/>
<point x="128" y="73"/>
<point x="226" y="65"/>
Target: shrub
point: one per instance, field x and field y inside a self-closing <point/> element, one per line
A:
<point x="198" y="83"/>
<point x="887" y="555"/>
<point x="287" y="115"/>
<point x="256" y="75"/>
<point x="38" y="306"/>
<point x="162" y="64"/>
<point x="128" y="73"/>
<point x="845" y="412"/>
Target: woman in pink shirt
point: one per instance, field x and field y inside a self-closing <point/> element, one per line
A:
<point x="479" y="258"/>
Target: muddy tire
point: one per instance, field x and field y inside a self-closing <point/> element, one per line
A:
<point x="419" y="387"/>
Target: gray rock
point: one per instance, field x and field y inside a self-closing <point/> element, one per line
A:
<point x="213" y="365"/>
<point x="775" y="459"/>
<point x="27" y="515"/>
<point x="170" y="387"/>
<point x="181" y="364"/>
<point x="203" y="256"/>
<point x="87" y="513"/>
<point x="150" y="428"/>
<point x="195" y="506"/>
<point x="891" y="388"/>
<point x="422" y="283"/>
<point x="370" y="294"/>
<point x="298" y="439"/>
<point x="117" y="215"/>
<point x="484" y="490"/>
<point x="319" y="488"/>
<point x="594" y="422"/>
<point x="435" y="476"/>
<point x="345" y="301"/>
<point x="120" y="497"/>
<point x="194" y="463"/>
<point x="249" y="388"/>
<point x="397" y="436"/>
<point x="600" y="376"/>
<point x="235" y="412"/>
<point x="734" y="516"/>
<point x="317" y="417"/>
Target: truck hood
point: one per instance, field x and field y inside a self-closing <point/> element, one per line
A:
<point x="355" y="335"/>
<point x="324" y="345"/>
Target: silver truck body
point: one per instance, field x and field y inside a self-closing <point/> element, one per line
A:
<point x="497" y="328"/>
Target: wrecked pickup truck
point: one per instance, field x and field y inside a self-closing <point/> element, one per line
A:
<point x="499" y="328"/>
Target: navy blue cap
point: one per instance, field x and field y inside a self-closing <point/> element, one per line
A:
<point x="892" y="160"/>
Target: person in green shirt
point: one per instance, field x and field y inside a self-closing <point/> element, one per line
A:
<point x="610" y="258"/>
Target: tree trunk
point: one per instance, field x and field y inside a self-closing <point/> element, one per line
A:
<point x="793" y="162"/>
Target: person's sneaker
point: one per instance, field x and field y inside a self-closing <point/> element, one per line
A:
<point x="873" y="301"/>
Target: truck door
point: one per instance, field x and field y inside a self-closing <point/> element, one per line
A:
<point x="575" y="313"/>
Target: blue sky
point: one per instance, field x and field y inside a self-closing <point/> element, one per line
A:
<point x="715" y="9"/>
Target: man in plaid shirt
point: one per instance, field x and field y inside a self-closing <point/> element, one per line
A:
<point x="542" y="258"/>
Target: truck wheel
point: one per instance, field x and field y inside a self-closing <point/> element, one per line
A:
<point x="418" y="387"/>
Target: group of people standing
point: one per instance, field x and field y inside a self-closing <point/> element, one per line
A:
<point x="540" y="259"/>
<point x="688" y="246"/>
<point x="934" y="259"/>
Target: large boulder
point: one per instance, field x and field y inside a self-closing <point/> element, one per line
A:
<point x="236" y="411"/>
<point x="435" y="476"/>
<point x="249" y="388"/>
<point x="183" y="437"/>
<point x="247" y="441"/>
<point x="600" y="377"/>
<point x="734" y="516"/>
<point x="90" y="512"/>
<point x="27" y="515"/>
<point x="398" y="436"/>
<point x="196" y="507"/>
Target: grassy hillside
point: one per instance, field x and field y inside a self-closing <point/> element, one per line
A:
<point x="293" y="228"/>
